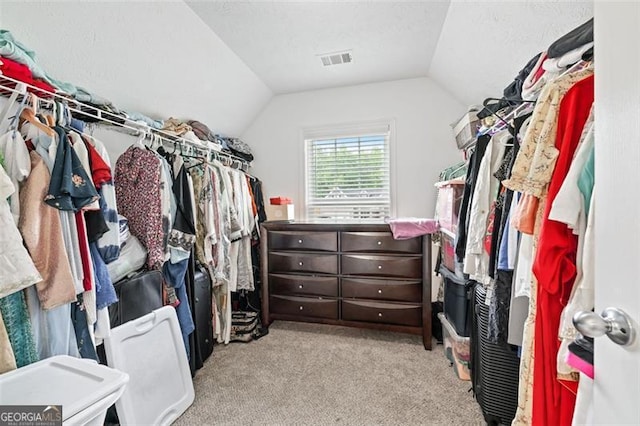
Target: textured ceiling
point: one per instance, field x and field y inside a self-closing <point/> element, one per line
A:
<point x="473" y="49"/>
<point x="279" y="41"/>
<point x="484" y="45"/>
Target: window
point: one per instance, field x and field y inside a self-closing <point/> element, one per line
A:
<point x="348" y="177"/>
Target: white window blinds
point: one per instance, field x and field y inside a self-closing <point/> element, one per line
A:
<point x="348" y="178"/>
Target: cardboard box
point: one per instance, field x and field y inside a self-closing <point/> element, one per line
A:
<point x="280" y="200"/>
<point x="280" y="212"/>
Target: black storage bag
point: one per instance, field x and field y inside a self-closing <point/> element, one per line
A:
<point x="137" y="296"/>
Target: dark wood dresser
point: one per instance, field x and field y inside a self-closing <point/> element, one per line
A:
<point x="346" y="274"/>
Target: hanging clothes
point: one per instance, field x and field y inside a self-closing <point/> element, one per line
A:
<point x="17" y="165"/>
<point x="16" y="266"/>
<point x="183" y="234"/>
<point x="469" y="189"/>
<point x="109" y="242"/>
<point x="7" y="358"/>
<point x="137" y="180"/>
<point x="42" y="232"/>
<point x="53" y="331"/>
<point x="179" y="245"/>
<point x="476" y="261"/>
<point x="47" y="148"/>
<point x="70" y="187"/>
<point x="531" y="174"/>
<point x="555" y="266"/>
<point x="569" y="208"/>
<point x="241" y="249"/>
<point x="18" y="326"/>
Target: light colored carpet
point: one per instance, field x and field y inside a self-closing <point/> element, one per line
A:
<point x="312" y="374"/>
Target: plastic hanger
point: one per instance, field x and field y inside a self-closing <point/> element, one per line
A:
<point x="12" y="100"/>
<point x="578" y="66"/>
<point x="140" y="143"/>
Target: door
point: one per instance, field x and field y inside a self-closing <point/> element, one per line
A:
<point x="617" y="221"/>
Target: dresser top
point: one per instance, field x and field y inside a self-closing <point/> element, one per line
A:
<point x="326" y="226"/>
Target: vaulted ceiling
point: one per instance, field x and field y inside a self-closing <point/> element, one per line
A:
<point x="472" y="48"/>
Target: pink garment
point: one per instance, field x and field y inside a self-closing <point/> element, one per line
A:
<point x="406" y="228"/>
<point x="580" y="364"/>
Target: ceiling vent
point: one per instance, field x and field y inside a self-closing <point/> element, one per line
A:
<point x="336" y="58"/>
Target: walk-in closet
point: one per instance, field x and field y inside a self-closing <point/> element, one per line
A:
<point x="319" y="213"/>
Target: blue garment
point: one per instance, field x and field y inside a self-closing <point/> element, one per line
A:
<point x="70" y="187"/>
<point x="43" y="142"/>
<point x="79" y="125"/>
<point x="83" y="95"/>
<point x="53" y="330"/>
<point x="503" y="254"/>
<point x="587" y="180"/>
<point x="16" y="320"/>
<point x="136" y="116"/>
<point x="81" y="327"/>
<point x="105" y="293"/>
<point x="174" y="273"/>
<point x="109" y="252"/>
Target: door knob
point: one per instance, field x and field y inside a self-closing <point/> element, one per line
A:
<point x="613" y="322"/>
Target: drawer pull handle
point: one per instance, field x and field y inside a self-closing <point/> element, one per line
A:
<point x="300" y="263"/>
<point x="379" y="266"/>
<point x="379" y="291"/>
<point x="300" y="286"/>
<point x="301" y="307"/>
<point x="379" y="314"/>
<point x="379" y="243"/>
<point x="299" y="241"/>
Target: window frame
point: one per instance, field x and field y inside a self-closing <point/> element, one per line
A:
<point x="347" y="130"/>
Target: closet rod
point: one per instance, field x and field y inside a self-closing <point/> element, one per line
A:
<point x="20" y="87"/>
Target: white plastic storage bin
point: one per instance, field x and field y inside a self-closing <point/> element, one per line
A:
<point x="457" y="349"/>
<point x="84" y="388"/>
<point x="151" y="350"/>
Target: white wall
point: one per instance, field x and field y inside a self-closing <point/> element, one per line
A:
<point x="156" y="58"/>
<point x="484" y="44"/>
<point x="424" y="144"/>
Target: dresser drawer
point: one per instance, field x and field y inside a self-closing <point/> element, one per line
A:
<point x="303" y="285"/>
<point x="384" y="266"/>
<point x="303" y="262"/>
<point x="378" y="242"/>
<point x="304" y="306"/>
<point x="364" y="288"/>
<point x="316" y="241"/>
<point x="387" y="313"/>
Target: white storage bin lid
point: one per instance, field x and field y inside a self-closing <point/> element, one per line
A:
<point x="74" y="383"/>
<point x="151" y="350"/>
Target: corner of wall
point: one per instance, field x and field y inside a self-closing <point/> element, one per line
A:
<point x="259" y="111"/>
<point x="446" y="90"/>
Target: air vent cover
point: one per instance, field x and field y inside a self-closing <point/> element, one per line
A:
<point x="336" y="58"/>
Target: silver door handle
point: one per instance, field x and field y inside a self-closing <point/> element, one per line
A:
<point x="613" y="322"/>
